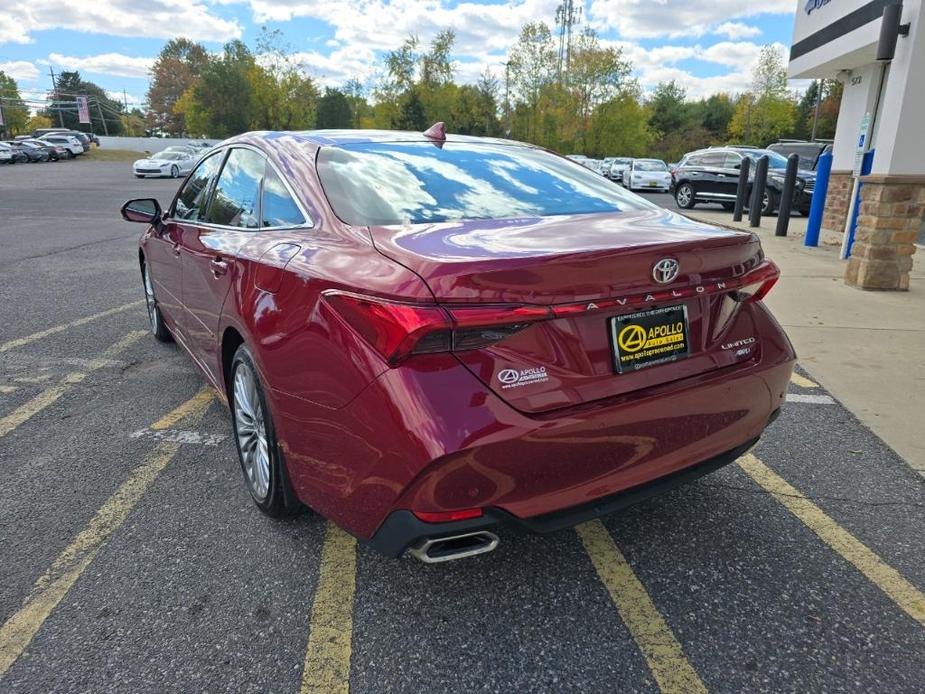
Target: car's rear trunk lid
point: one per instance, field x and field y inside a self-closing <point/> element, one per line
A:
<point x="600" y="265"/>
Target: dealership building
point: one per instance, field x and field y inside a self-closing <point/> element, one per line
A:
<point x="877" y="50"/>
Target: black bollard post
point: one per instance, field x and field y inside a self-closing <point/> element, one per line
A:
<point x="758" y="185"/>
<point x="786" y="196"/>
<point x="742" y="189"/>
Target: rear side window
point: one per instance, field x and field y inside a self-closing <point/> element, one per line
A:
<point x="279" y="209"/>
<point x="384" y="183"/>
<point x="194" y="194"/>
<point x="238" y="190"/>
<point x="714" y="159"/>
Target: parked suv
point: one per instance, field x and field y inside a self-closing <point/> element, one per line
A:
<point x="712" y="175"/>
<point x="809" y="152"/>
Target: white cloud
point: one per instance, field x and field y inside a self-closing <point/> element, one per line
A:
<point x="383" y="25"/>
<point x="736" y="30"/>
<point x="20" y="70"/>
<point x="652" y="18"/>
<point x="660" y="65"/>
<point x="105" y="64"/>
<point x="135" y="18"/>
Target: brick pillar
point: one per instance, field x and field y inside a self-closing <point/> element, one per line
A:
<point x="835" y="213"/>
<point x="888" y="224"/>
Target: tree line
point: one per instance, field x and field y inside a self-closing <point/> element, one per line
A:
<point x="591" y="105"/>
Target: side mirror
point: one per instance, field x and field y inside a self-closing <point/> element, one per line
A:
<point x="144" y="210"/>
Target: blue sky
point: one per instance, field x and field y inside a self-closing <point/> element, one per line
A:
<point x="707" y="45"/>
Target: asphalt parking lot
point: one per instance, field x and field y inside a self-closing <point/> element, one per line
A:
<point x="134" y="560"/>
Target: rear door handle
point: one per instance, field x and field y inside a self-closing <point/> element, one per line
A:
<point x="219" y="267"/>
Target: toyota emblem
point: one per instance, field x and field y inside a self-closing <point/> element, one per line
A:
<point x="665" y="270"/>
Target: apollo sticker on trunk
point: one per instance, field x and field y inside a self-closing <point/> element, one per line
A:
<point x="648" y="338"/>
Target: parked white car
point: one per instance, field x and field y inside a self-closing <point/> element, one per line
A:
<point x="69" y="142"/>
<point x="6" y="154"/>
<point x="647" y="174"/>
<point x="173" y="164"/>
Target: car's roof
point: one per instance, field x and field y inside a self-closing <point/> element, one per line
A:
<point x="334" y="138"/>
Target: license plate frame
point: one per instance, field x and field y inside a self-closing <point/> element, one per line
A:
<point x="629" y="346"/>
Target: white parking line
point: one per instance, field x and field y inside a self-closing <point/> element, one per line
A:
<point x="813" y="399"/>
<point x="179" y="436"/>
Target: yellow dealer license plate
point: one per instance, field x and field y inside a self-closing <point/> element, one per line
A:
<point x="650" y="337"/>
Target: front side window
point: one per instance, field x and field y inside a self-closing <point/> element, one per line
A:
<point x="382" y="183"/>
<point x="279" y="209"/>
<point x="238" y="190"/>
<point x="195" y="193"/>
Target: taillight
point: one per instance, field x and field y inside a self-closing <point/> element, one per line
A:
<point x="397" y="330"/>
<point x="447" y="516"/>
<point x="758" y="282"/>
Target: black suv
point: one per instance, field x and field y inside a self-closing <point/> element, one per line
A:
<point x="809" y="152"/>
<point x="712" y="175"/>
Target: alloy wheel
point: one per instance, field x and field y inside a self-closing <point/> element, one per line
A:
<point x="684" y="195"/>
<point x="150" y="302"/>
<point x="174" y="171"/>
<point x="250" y="430"/>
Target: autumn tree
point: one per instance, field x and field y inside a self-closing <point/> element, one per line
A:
<point x="283" y="96"/>
<point x="175" y="71"/>
<point x="766" y="112"/>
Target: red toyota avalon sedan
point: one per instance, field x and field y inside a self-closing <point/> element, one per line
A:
<point x="427" y="337"/>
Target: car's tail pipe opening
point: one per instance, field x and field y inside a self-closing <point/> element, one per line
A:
<point x="440" y="549"/>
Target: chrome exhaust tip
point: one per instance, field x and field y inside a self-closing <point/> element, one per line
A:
<point x="440" y="549"/>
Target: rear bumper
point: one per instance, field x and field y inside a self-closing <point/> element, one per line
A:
<point x="402" y="529"/>
<point x="429" y="436"/>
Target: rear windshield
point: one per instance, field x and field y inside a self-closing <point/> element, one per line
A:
<point x="649" y="165"/>
<point x="419" y="182"/>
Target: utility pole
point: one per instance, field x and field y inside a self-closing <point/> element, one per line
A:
<point x="819" y="84"/>
<point x="507" y="96"/>
<point x="57" y="104"/>
<point x="567" y="16"/>
<point x="124" y="101"/>
<point x="100" y="111"/>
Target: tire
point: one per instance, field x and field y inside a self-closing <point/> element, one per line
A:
<point x="768" y="203"/>
<point x="174" y="171"/>
<point x="255" y="437"/>
<point x="684" y="196"/>
<point x="155" y="319"/>
<point x="729" y="206"/>
<point x="138" y="176"/>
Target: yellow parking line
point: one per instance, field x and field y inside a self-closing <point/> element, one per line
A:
<point x="19" y="342"/>
<point x="31" y="408"/>
<point x="801" y="381"/>
<point x="7" y="389"/>
<point x="909" y="598"/>
<point x="671" y="669"/>
<point x="54" y="584"/>
<point x="184" y="410"/>
<point x="327" y="658"/>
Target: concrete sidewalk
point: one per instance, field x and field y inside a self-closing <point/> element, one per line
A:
<point x="866" y="348"/>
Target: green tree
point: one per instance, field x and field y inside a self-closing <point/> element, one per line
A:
<point x="668" y="108"/>
<point x="176" y="70"/>
<point x="221" y="103"/>
<point x="620" y="127"/>
<point x="714" y="114"/>
<point x="359" y="107"/>
<point x="15" y="111"/>
<point x="283" y="96"/>
<point x="532" y="64"/>
<point x="334" y="110"/>
<point x="70" y="86"/>
<point x="411" y="115"/>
